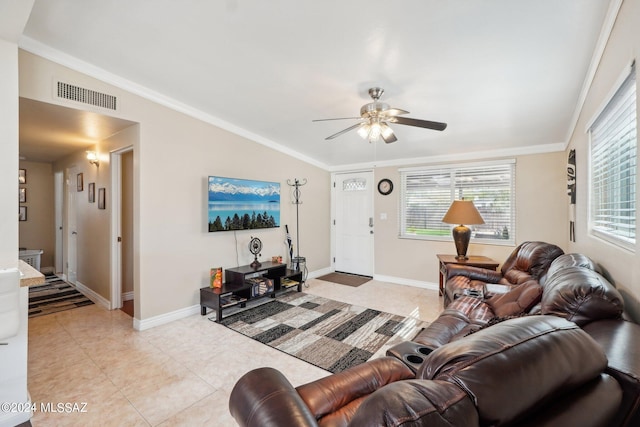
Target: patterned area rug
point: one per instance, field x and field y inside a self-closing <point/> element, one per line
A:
<point x="54" y="296"/>
<point x="329" y="334"/>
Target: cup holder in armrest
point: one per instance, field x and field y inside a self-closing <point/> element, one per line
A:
<point x="424" y="350"/>
<point x="411" y="353"/>
<point x="413" y="359"/>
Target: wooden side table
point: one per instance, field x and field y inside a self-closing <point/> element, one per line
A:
<point x="474" y="261"/>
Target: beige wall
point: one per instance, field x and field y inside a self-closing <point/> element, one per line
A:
<point x="9" y="158"/>
<point x="623" y="46"/>
<point x="37" y="232"/>
<point x="174" y="154"/>
<point x="540" y="215"/>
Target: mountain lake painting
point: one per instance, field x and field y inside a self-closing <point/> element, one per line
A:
<point x="242" y="204"/>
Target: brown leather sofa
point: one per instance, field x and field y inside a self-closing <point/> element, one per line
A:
<point x="529" y="371"/>
<point x="571" y="288"/>
<point x="473" y="367"/>
<point x="528" y="262"/>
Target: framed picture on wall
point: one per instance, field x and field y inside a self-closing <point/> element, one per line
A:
<point x="92" y="192"/>
<point x="22" y="195"/>
<point x="101" y="198"/>
<point x="22" y="213"/>
<point x="22" y="176"/>
<point x="80" y="182"/>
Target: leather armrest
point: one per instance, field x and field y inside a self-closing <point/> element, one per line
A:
<point x="473" y="273"/>
<point x="264" y="397"/>
<point x="334" y="392"/>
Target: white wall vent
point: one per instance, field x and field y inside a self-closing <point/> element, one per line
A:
<point x="86" y="96"/>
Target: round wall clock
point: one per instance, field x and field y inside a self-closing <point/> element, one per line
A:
<point x="385" y="186"/>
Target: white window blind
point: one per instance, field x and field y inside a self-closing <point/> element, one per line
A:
<point x="426" y="195"/>
<point x="613" y="137"/>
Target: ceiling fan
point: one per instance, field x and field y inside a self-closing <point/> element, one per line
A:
<point x="375" y="118"/>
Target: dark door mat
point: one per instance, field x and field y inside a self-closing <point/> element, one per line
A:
<point x="345" y="279"/>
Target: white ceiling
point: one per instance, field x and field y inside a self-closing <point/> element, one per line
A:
<point x="506" y="75"/>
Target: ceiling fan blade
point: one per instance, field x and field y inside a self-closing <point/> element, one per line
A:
<point x="357" y="125"/>
<point x="340" y="118"/>
<point x="395" y="112"/>
<point x="419" y="123"/>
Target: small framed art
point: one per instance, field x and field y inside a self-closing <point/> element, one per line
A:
<point x="101" y="198"/>
<point x="22" y="195"/>
<point x="22" y="213"/>
<point x="80" y="182"/>
<point x="22" y="176"/>
<point x="92" y="192"/>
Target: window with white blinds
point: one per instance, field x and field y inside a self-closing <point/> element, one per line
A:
<point x="613" y="142"/>
<point x="427" y="193"/>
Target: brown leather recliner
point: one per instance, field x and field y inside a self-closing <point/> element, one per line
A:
<point x="529" y="371"/>
<point x="529" y="261"/>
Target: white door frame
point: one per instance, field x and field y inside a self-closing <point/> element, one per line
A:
<point x="116" y="226"/>
<point x="333" y="217"/>
<point x="58" y="191"/>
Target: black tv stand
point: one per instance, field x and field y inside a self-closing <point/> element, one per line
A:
<point x="237" y="290"/>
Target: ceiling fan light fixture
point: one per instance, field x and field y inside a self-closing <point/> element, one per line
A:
<point x="374" y="117"/>
<point x="374" y="132"/>
<point x="363" y="131"/>
<point x="385" y="130"/>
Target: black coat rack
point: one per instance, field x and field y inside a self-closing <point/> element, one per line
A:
<point x="298" y="263"/>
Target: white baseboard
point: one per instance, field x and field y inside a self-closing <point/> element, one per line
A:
<point x="127" y="296"/>
<point x="318" y="273"/>
<point x="381" y="278"/>
<point x="93" y="296"/>
<point x="407" y="282"/>
<point x="141" y="325"/>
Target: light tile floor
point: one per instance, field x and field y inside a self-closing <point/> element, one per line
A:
<point x="178" y="374"/>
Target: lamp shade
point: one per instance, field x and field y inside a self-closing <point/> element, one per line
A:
<point x="462" y="212"/>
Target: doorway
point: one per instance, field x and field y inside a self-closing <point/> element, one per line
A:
<point x="58" y="195"/>
<point x="353" y="223"/>
<point x="70" y="267"/>
<point x="122" y="284"/>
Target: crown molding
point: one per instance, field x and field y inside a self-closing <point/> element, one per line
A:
<point x="448" y="158"/>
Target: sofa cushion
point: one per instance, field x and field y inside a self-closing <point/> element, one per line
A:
<point x="518" y="300"/>
<point x="571" y="260"/>
<point x="545" y="357"/>
<point x="417" y="403"/>
<point x="475" y="309"/>
<point x="532" y="258"/>
<point x="580" y="295"/>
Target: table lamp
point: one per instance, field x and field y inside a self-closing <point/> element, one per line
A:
<point x="462" y="212"/>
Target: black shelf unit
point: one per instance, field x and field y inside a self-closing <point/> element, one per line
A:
<point x="236" y="284"/>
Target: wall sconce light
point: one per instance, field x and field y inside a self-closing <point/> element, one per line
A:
<point x="92" y="156"/>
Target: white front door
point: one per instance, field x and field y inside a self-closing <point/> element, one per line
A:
<point x="354" y="223"/>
